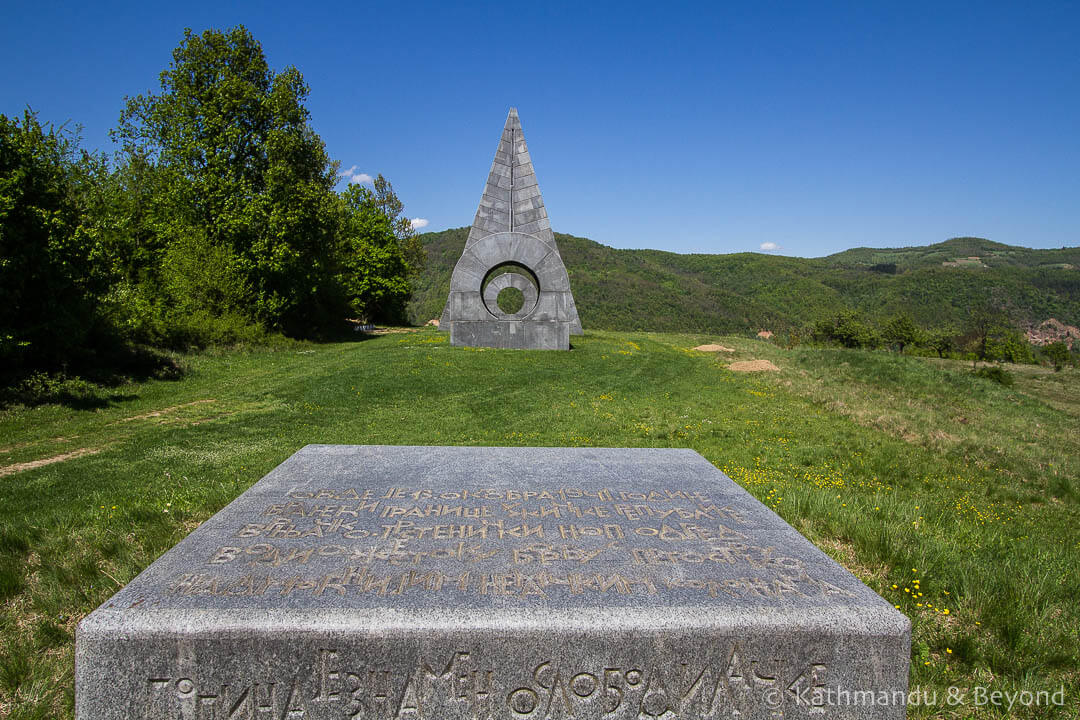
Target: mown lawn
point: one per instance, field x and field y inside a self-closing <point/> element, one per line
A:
<point x="952" y="496"/>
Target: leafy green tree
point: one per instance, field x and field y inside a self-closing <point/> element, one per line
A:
<point x="1058" y="353"/>
<point x="241" y="181"/>
<point x="51" y="266"/>
<point x="987" y="320"/>
<point x="374" y="270"/>
<point x="846" y="329"/>
<point x="1008" y="345"/>
<point x="900" y="330"/>
<point x="134" y="206"/>
<point x="411" y="247"/>
<point x="941" y="341"/>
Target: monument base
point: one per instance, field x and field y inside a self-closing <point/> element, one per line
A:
<point x="512" y="334"/>
<point x="447" y="582"/>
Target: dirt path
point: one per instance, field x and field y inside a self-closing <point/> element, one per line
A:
<point x="19" y="467"/>
<point x="164" y="411"/>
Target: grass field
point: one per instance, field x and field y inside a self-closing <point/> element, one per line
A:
<point x="955" y="498"/>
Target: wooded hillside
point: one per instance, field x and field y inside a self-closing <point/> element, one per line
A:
<point x="938" y="285"/>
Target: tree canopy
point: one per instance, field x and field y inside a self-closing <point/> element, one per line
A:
<point x="51" y="270"/>
<point x="247" y="186"/>
<point x="218" y="218"/>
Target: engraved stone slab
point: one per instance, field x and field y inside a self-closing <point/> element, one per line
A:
<point x="457" y="582"/>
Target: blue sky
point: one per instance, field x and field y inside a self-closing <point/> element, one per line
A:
<point x="797" y="128"/>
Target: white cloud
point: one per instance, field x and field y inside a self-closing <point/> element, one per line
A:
<point x="769" y="246"/>
<point x="355" y="177"/>
<point x="418" y="223"/>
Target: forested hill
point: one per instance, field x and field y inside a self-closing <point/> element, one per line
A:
<point x="662" y="291"/>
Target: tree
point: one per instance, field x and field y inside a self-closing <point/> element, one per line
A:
<point x="374" y="270"/>
<point x="411" y="247"/>
<point x="1008" y="345"/>
<point x="51" y="269"/>
<point x="846" y="329"/>
<point x="900" y="330"/>
<point x="246" y="182"/>
<point x="986" y="321"/>
<point x="942" y="341"/>
<point x="1058" y="353"/>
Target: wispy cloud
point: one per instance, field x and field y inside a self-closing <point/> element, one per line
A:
<point x="418" y="223"/>
<point x="356" y="177"/>
<point x="769" y="246"/>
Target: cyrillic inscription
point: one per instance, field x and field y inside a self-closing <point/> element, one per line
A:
<point x="494" y="541"/>
<point x="336" y="685"/>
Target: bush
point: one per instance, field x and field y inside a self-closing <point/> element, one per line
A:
<point x="996" y="373"/>
<point x="42" y="387"/>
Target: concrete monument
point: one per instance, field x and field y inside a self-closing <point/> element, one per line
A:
<point x="482" y="583"/>
<point x="510" y="245"/>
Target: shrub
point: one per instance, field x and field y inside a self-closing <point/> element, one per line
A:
<point x="996" y="373"/>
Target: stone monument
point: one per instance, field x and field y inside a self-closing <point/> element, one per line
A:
<point x="510" y="245"/>
<point x="483" y="583"/>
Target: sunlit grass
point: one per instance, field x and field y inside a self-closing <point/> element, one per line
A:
<point x="953" y="497"/>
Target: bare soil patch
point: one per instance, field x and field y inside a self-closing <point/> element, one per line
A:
<point x="714" y="348"/>
<point x="753" y="366"/>
<point x="164" y="411"/>
<point x="19" y="467"/>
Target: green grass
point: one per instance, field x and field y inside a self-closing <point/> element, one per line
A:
<point x="904" y="469"/>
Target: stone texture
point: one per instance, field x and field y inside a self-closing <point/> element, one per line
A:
<point x="514" y="280"/>
<point x="512" y="210"/>
<point x="444" y="583"/>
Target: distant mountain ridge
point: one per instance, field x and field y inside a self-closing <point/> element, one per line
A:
<point x="669" y="292"/>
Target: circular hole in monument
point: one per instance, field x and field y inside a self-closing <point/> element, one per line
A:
<point x="510" y="267"/>
<point x="501" y="278"/>
<point x="510" y="300"/>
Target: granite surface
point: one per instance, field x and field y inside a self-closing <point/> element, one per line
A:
<point x="457" y="582"/>
<point x="511" y="228"/>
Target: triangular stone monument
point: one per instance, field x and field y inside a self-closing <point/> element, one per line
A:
<point x="510" y="245"/>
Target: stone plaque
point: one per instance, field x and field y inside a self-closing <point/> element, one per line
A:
<point x="459" y="582"/>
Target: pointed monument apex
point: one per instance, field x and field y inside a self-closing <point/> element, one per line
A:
<point x="510" y="245"/>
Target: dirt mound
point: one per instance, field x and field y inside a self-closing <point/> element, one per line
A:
<point x="752" y="366"/>
<point x="714" y="348"/>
